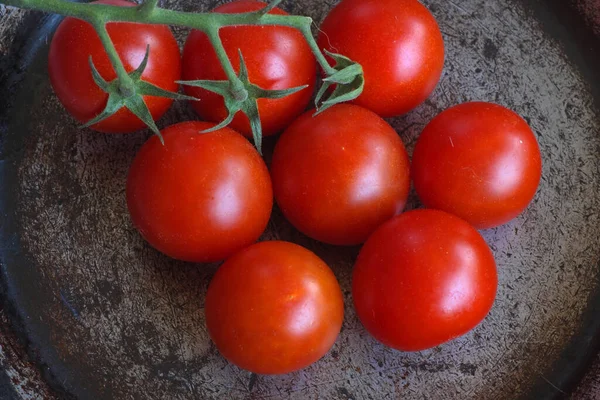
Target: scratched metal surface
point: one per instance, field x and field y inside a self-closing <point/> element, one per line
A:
<point x="89" y="311"/>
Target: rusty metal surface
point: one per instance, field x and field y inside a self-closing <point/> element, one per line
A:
<point x="101" y="315"/>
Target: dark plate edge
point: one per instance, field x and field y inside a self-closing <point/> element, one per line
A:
<point x="562" y="21"/>
<point x="31" y="375"/>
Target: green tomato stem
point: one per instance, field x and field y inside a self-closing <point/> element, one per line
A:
<point x="147" y="7"/>
<point x="150" y="14"/>
<point x="126" y="86"/>
<point x="306" y="31"/>
<point x="237" y="87"/>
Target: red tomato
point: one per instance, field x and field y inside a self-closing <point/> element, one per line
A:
<point x="71" y="77"/>
<point x="274" y="308"/>
<point x="277" y="57"/>
<point x="341" y="174"/>
<point x="202" y="196"/>
<point x="479" y="161"/>
<point x="422" y="279"/>
<point x="397" y="42"/>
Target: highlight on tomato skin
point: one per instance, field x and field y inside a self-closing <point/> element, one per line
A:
<point x="274" y="308"/>
<point x="200" y="197"/>
<point x="398" y="44"/>
<point x="479" y="161"/>
<point x="423" y="278"/>
<point x="339" y="175"/>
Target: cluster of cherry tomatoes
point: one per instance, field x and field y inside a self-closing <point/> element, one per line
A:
<point x="341" y="177"/>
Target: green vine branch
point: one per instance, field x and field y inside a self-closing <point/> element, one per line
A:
<point x="239" y="93"/>
<point x="125" y="82"/>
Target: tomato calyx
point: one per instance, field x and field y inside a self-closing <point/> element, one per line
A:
<point x="129" y="93"/>
<point x="347" y="78"/>
<point x="242" y="95"/>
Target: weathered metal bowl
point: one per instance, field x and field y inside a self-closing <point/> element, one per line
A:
<point x="90" y="311"/>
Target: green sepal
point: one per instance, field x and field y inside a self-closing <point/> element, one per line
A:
<point x="348" y="79"/>
<point x="221" y="124"/>
<point x="243" y="74"/>
<point x="259" y="92"/>
<point x="340" y="94"/>
<point x="250" y="108"/>
<point x="341" y="61"/>
<point x="346" y="75"/>
<point x="267" y="8"/>
<point x="245" y="100"/>
<point x="137" y="73"/>
<point x="113" y="104"/>
<point x="148" y="89"/>
<point x="133" y="98"/>
<point x="218" y="87"/>
<point x="98" y="79"/>
<point x="137" y="105"/>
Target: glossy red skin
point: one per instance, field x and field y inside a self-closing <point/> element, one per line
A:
<point x="274" y="308"/>
<point x="341" y="174"/>
<point x="202" y="196"/>
<point x="479" y="161"/>
<point x="422" y="279"/>
<point x="276" y="57"/>
<point x="71" y="77"/>
<point x="397" y="42"/>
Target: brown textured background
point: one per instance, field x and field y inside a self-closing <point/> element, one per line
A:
<point x="108" y="317"/>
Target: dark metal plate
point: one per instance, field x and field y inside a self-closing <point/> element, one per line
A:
<point x="92" y="312"/>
